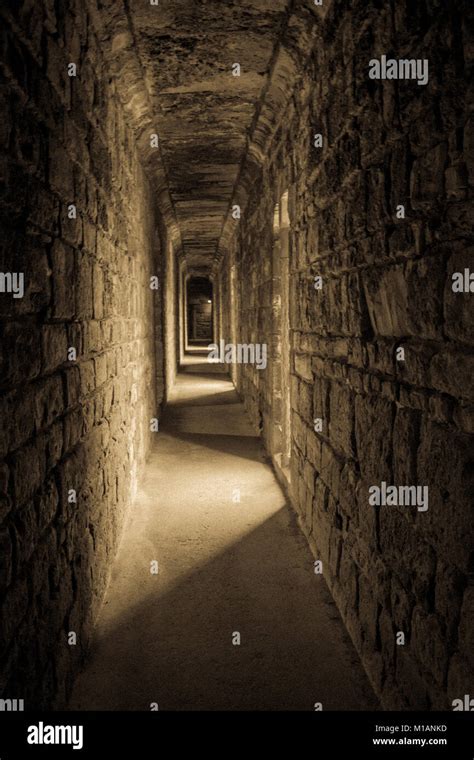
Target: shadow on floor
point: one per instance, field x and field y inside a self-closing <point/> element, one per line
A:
<point x="184" y="443"/>
<point x="204" y="368"/>
<point x="217" y="398"/>
<point x="232" y="560"/>
<point x="173" y="645"/>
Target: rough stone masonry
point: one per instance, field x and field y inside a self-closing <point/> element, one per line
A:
<point x="79" y="220"/>
<point x="350" y="151"/>
<point x="131" y="150"/>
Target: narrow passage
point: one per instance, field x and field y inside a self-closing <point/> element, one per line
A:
<point x="231" y="560"/>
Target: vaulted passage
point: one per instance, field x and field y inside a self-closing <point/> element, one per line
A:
<point x="236" y="362"/>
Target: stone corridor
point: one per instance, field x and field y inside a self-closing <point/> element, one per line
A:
<point x="241" y="566"/>
<point x="236" y="346"/>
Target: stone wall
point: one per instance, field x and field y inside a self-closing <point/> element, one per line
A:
<point x="68" y="424"/>
<point x="403" y="417"/>
<point x="201" y="325"/>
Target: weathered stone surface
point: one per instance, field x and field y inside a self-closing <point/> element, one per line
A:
<point x="405" y="443"/>
<point x="459" y="307"/>
<point x="452" y="372"/>
<point x="466" y="631"/>
<point x="341" y="419"/>
<point x="386" y="284"/>
<point x="460" y="675"/>
<point x="6" y="549"/>
<point x="448" y="475"/>
<point x="86" y="287"/>
<point x="83" y="423"/>
<point x="373" y="432"/>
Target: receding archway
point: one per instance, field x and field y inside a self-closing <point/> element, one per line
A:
<point x="199" y="310"/>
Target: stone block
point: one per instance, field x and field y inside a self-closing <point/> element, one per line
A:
<point x="405" y="443"/>
<point x="303" y="367"/>
<point x="452" y="372"/>
<point x="427" y="178"/>
<point x="373" y="433"/>
<point x="48" y="400"/>
<point x="26" y="473"/>
<point x="6" y="565"/>
<point x="63" y="277"/>
<point x="443" y="465"/>
<point x="47" y="504"/>
<point x="341" y="416"/>
<point x="459" y="307"/>
<point x="387" y="297"/>
<point x="425" y="284"/>
<point x="14" y="608"/>
<point x="54" y="347"/>
<point x="20" y="359"/>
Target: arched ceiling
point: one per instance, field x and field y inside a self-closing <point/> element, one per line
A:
<point x="172" y="63"/>
<point x="203" y="112"/>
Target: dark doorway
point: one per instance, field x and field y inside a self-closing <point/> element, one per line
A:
<point x="199" y="297"/>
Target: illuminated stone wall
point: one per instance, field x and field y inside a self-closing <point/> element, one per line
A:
<point x="77" y="368"/>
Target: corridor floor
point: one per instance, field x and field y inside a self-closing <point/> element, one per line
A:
<point x="231" y="559"/>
